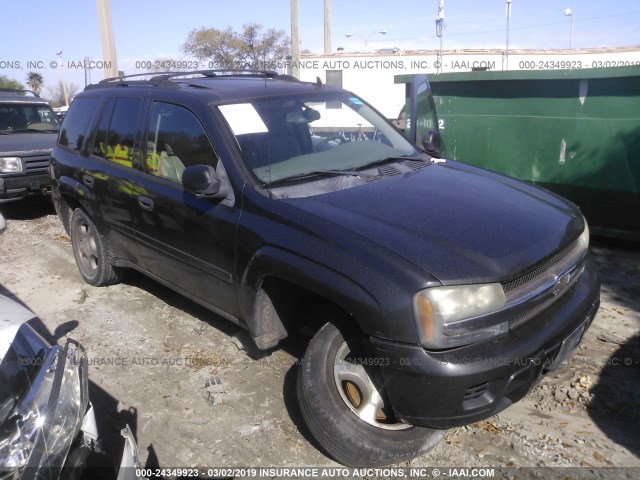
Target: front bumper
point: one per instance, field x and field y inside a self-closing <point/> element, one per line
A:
<point x="467" y="384"/>
<point x="19" y="186"/>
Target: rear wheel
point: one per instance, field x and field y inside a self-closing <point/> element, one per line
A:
<point x="91" y="251"/>
<point x="345" y="407"/>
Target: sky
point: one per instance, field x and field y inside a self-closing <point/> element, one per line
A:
<point x="148" y="29"/>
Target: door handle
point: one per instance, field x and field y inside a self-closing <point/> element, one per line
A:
<point x="145" y="202"/>
<point x="88" y="180"/>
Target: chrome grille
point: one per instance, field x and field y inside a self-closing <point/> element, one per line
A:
<point x="531" y="293"/>
<point x="536" y="272"/>
<point x="36" y="164"/>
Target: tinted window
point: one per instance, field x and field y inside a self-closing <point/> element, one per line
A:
<point x="120" y="145"/>
<point x="76" y="123"/>
<point x="100" y="140"/>
<point x="176" y="139"/>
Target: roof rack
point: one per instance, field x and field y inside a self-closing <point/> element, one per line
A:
<point x="225" y="72"/>
<point x="164" y="79"/>
<point x="124" y="81"/>
<point x="123" y="77"/>
<point x="19" y="91"/>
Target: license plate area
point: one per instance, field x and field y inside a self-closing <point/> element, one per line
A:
<point x="568" y="345"/>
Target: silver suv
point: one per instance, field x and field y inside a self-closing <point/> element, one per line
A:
<point x="28" y="131"/>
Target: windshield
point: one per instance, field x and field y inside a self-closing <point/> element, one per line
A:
<point x="298" y="136"/>
<point x="17" y="117"/>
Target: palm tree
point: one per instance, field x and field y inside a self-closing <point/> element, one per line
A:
<point x="35" y="81"/>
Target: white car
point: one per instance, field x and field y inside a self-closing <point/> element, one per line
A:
<point x="44" y="402"/>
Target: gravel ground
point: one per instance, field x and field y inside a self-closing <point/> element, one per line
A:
<point x="196" y="394"/>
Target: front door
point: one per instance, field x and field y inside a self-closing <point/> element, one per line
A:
<point x="186" y="241"/>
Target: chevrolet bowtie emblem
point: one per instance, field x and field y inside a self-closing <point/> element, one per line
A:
<point x="561" y="282"/>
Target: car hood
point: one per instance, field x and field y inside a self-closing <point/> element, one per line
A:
<point x="12" y="316"/>
<point x="29" y="142"/>
<point x="459" y="223"/>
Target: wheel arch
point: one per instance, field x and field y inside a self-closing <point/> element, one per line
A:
<point x="65" y="205"/>
<point x="65" y="199"/>
<point x="275" y="276"/>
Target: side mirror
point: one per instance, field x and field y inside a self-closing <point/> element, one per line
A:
<point x="401" y="122"/>
<point x="418" y="88"/>
<point x="202" y="181"/>
<point x="422" y="122"/>
<point x="3" y="224"/>
<point x="432" y="143"/>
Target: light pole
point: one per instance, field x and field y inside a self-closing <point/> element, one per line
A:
<point x="295" y="40"/>
<point x="366" y="38"/>
<point x="64" y="87"/>
<point x="439" y="25"/>
<point x="508" y="17"/>
<point x="327" y="27"/>
<point x="569" y="13"/>
<point x="107" y="39"/>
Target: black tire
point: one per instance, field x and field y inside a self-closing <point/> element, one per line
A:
<point x="91" y="252"/>
<point x="340" y="430"/>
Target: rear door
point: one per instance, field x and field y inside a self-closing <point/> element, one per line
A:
<point x="114" y="159"/>
<point x="187" y="242"/>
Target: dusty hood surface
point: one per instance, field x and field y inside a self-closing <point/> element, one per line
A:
<point x="27" y="142"/>
<point x="459" y="223"/>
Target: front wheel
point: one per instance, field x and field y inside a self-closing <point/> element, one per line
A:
<point x="345" y="407"/>
<point x="90" y="250"/>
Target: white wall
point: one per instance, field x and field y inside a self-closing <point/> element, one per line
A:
<point x="371" y="75"/>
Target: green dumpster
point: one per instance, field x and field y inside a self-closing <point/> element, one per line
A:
<point x="575" y="132"/>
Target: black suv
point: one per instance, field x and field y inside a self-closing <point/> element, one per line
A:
<point x="441" y="292"/>
<point x="28" y="132"/>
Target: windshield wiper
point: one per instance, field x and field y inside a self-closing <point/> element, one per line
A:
<point x="35" y="130"/>
<point x="382" y="161"/>
<point x="315" y="173"/>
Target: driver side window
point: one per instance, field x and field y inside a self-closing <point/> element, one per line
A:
<point x="175" y="140"/>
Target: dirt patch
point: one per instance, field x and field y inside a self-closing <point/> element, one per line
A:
<point x="182" y="379"/>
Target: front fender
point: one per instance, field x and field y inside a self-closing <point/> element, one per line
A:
<point x="271" y="261"/>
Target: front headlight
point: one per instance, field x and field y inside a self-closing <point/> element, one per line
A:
<point x="445" y="314"/>
<point x="49" y="416"/>
<point x="10" y="165"/>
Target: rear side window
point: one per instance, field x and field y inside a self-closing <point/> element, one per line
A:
<point x="117" y="132"/>
<point x="74" y="130"/>
<point x="176" y="139"/>
<point x="100" y="142"/>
